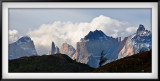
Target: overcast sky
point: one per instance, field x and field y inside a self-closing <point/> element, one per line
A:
<point x="69" y="25"/>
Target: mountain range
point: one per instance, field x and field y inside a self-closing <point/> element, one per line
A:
<point x="88" y="49"/>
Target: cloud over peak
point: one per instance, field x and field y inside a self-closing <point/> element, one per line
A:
<point x="70" y="32"/>
<point x="13" y="36"/>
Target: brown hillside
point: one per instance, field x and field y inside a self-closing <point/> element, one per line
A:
<point x="47" y="63"/>
<point x="140" y="62"/>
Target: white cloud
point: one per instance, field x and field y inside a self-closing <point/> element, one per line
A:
<point x="69" y="32"/>
<point x="131" y="29"/>
<point x="13" y="35"/>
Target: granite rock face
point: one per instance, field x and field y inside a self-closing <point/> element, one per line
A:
<point x="89" y="49"/>
<point x="57" y="50"/>
<point x="67" y="49"/>
<point x="54" y="49"/>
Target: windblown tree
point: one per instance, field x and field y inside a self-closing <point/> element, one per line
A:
<point x="102" y="59"/>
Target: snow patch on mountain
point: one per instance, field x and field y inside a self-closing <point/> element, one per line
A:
<point x="22" y="47"/>
<point x="139" y="41"/>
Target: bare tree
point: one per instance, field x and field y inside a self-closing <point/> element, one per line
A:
<point x="102" y="59"/>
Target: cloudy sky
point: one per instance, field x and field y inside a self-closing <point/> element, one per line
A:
<point x="69" y="25"/>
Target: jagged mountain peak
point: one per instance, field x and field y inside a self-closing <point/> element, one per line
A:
<point x="23" y="39"/>
<point x="53" y="49"/>
<point x="66" y="46"/>
<point x="141" y="28"/>
<point x="53" y="44"/>
<point x="67" y="49"/>
<point x="96" y="35"/>
<point x="141" y="31"/>
<point x="98" y="32"/>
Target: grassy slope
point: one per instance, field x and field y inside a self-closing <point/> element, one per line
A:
<point x="47" y="63"/>
<point x="136" y="63"/>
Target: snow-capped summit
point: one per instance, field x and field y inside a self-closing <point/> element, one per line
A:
<point x="139" y="41"/>
<point x="142" y="35"/>
<point x="96" y="35"/>
<point x="22" y="47"/>
<point x="142" y="40"/>
<point x="23" y="39"/>
<point x="141" y="31"/>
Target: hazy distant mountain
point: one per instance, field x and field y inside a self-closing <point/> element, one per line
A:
<point x="57" y="50"/>
<point x="54" y="49"/>
<point x="22" y="47"/>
